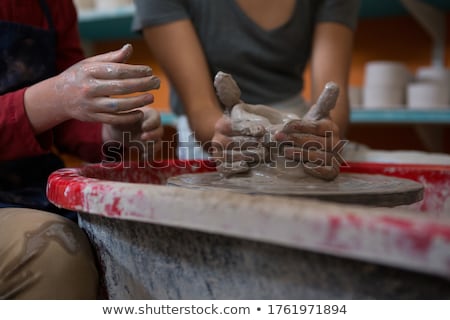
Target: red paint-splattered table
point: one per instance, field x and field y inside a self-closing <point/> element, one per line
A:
<point x="158" y="241"/>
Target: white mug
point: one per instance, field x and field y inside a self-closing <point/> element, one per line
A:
<point x="427" y="95"/>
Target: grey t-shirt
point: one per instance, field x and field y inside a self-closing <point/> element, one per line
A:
<point x="267" y="65"/>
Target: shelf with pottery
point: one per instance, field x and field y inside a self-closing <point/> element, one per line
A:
<point x="391" y="94"/>
<point x="115" y="24"/>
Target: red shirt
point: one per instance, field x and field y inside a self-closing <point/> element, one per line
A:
<point x="17" y="139"/>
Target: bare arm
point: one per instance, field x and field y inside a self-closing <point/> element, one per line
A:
<point x="184" y="62"/>
<point x="330" y="61"/>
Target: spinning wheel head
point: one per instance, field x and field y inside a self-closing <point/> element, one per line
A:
<point x="351" y="188"/>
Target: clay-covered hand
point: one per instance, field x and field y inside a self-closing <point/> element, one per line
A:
<point x="145" y="133"/>
<point x="89" y="90"/>
<point x="314" y="140"/>
<point x="237" y="145"/>
<point x="249" y="136"/>
<point x="237" y="141"/>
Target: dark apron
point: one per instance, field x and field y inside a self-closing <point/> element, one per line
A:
<point x="27" y="56"/>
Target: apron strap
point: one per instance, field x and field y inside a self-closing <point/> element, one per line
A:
<point x="47" y="14"/>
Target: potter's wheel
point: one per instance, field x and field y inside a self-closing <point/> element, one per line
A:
<point x="354" y="188"/>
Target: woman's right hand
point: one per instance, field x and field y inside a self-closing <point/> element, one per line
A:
<point x="238" y="145"/>
<point x="89" y="90"/>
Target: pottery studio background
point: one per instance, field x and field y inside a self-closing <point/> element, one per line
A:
<point x="386" y="32"/>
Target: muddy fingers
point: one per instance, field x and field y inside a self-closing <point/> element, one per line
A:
<point x="227" y="90"/>
<point x="325" y="103"/>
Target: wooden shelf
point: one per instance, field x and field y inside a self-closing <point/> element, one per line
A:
<point x="401" y="116"/>
<point x="168" y="118"/>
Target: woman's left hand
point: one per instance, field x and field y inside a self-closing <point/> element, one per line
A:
<point x="314" y="140"/>
<point x="314" y="143"/>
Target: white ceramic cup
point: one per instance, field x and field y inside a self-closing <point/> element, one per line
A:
<point x="427" y="95"/>
<point x="386" y="73"/>
<point x="434" y="74"/>
<point x="383" y="97"/>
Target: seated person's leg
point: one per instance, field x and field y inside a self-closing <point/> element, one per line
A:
<point x="44" y="256"/>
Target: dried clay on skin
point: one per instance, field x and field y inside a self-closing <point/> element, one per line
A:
<point x="264" y="122"/>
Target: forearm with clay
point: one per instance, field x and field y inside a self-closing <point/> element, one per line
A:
<point x="89" y="90"/>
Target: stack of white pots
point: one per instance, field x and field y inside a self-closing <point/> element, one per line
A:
<point x="385" y="84"/>
<point x="430" y="89"/>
